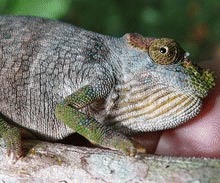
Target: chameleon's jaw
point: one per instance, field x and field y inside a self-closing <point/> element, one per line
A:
<point x="143" y="104"/>
<point x="153" y="108"/>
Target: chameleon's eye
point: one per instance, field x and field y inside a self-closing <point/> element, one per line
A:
<point x="165" y="51"/>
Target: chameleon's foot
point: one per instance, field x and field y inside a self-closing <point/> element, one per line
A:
<point x="96" y="132"/>
<point x="12" y="141"/>
<point x="132" y="150"/>
<point x="124" y="144"/>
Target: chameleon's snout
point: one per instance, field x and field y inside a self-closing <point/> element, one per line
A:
<point x="201" y="79"/>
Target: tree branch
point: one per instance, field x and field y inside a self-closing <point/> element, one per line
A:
<point x="52" y="162"/>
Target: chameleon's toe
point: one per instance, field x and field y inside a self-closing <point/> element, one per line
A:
<point x="12" y="141"/>
<point x="129" y="149"/>
<point x="132" y="149"/>
<point x="140" y="149"/>
<point x="125" y="145"/>
<point x="14" y="151"/>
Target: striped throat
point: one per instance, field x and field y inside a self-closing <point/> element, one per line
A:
<point x="151" y="107"/>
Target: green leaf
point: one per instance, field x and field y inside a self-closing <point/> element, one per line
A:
<point x="43" y="8"/>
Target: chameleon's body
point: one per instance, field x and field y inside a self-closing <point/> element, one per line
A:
<point x="57" y="79"/>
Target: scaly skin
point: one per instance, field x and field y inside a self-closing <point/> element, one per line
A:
<point x="57" y="79"/>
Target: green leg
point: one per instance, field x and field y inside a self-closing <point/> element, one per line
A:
<point x="12" y="139"/>
<point x="88" y="127"/>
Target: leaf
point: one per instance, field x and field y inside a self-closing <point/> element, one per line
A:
<point x="49" y="8"/>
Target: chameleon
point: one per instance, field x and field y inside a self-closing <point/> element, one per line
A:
<point x="58" y="79"/>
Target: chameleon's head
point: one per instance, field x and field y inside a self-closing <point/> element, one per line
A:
<point x="169" y="63"/>
<point x="166" y="52"/>
<point x="163" y="89"/>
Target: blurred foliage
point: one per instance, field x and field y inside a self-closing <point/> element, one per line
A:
<point x="44" y="8"/>
<point x="193" y="23"/>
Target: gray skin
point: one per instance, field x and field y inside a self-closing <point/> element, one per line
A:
<point x="44" y="61"/>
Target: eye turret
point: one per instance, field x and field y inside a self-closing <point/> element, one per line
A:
<point x="165" y="51"/>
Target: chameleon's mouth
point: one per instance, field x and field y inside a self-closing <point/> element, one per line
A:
<point x="201" y="79"/>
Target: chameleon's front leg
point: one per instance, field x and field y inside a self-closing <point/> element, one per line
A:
<point x="12" y="138"/>
<point x="88" y="127"/>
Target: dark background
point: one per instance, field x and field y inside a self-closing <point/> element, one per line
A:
<point x="193" y="23"/>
